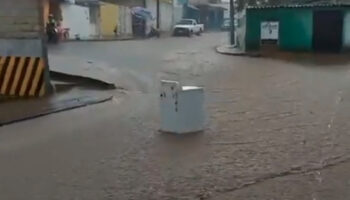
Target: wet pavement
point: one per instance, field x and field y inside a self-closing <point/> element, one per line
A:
<point x="277" y="129"/>
<point x="18" y="110"/>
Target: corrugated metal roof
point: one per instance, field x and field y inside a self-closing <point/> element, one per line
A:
<point x="302" y="6"/>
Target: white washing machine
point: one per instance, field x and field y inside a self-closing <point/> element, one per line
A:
<point x="181" y="107"/>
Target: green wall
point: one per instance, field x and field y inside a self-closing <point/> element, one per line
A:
<point x="296" y="27"/>
<point x="346" y="30"/>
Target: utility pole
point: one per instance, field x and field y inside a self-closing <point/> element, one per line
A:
<point x="232" y="16"/>
<point x="158" y="14"/>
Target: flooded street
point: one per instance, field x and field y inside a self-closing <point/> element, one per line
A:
<point x="277" y="128"/>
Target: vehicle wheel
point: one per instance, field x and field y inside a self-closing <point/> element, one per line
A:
<point x="189" y="34"/>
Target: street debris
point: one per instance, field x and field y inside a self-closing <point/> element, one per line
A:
<point x="181" y="108"/>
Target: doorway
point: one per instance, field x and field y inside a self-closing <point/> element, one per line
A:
<point x="328" y="31"/>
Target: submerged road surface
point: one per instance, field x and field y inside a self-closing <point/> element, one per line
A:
<point x="277" y="129"/>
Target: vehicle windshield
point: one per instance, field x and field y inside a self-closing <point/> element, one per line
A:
<point x="185" y="22"/>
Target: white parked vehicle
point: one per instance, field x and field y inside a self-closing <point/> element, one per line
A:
<point x="188" y="27"/>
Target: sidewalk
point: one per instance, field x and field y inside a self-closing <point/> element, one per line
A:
<point x="104" y="39"/>
<point x="79" y="70"/>
<point x="119" y="38"/>
<point x="234" y="51"/>
<point x="71" y="92"/>
<point x="230" y="50"/>
<point x="18" y="110"/>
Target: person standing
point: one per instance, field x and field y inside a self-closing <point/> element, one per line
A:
<point x="51" y="29"/>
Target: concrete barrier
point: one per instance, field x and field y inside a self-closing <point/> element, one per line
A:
<point x="24" y="71"/>
<point x="22" y="76"/>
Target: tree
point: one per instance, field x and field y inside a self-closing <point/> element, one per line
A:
<point x="240" y="4"/>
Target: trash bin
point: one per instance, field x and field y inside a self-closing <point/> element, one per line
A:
<point x="181" y="107"/>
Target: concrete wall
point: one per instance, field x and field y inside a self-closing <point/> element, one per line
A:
<point x="109" y="19"/>
<point x="95" y="21"/>
<point x="20" y="19"/>
<point x="21" y="39"/>
<point x="125" y="21"/>
<point x="178" y="12"/>
<point x="77" y="19"/>
<point x="165" y="13"/>
<point x="166" y="17"/>
<point x="151" y="5"/>
<point x="21" y="28"/>
<point x="93" y="31"/>
<point x="21" y="47"/>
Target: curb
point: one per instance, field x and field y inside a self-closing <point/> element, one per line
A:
<point x="76" y="103"/>
<point x="229" y="53"/>
<point x="102" y="40"/>
<point x="82" y="79"/>
<point x="162" y="35"/>
<point x="253" y="55"/>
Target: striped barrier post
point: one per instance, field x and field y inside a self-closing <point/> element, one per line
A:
<point x="24" y="69"/>
<point x="22" y="76"/>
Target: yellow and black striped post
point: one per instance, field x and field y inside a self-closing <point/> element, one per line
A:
<point x="22" y="76"/>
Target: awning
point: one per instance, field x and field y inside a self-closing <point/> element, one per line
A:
<point x="141" y="12"/>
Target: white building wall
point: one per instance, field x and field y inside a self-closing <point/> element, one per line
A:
<point x="95" y="22"/>
<point x="178" y="11"/>
<point x="93" y="30"/>
<point x="346" y="30"/>
<point x="166" y="17"/>
<point x="151" y="5"/>
<point x="125" y="21"/>
<point x="166" y="14"/>
<point x="77" y="19"/>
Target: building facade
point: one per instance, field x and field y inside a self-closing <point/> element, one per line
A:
<point x="323" y="27"/>
<point x="76" y="18"/>
<point x="208" y="12"/>
<point x="165" y="12"/>
<point x="109" y="19"/>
